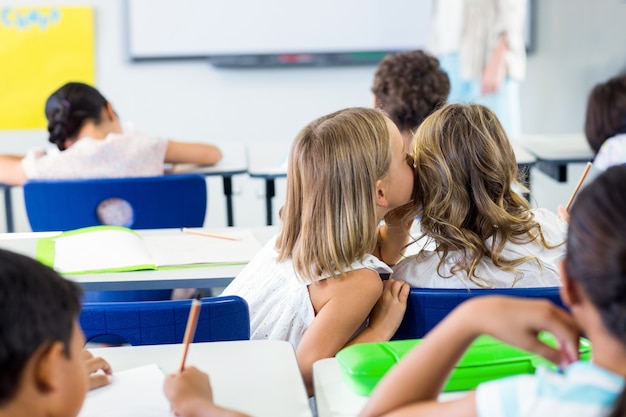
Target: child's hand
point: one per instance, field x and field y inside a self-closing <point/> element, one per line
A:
<point x="518" y="321"/>
<point x="402" y="216"/>
<point x="183" y="388"/>
<point x="389" y="310"/>
<point x="190" y="394"/>
<point x="99" y="370"/>
<point x="563" y="214"/>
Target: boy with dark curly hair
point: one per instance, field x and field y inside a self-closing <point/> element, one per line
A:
<point x="409" y="86"/>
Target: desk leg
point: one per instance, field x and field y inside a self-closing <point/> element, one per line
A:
<point x="228" y="192"/>
<point x="525" y="177"/>
<point x="558" y="171"/>
<point x="270" y="192"/>
<point x="8" y="209"/>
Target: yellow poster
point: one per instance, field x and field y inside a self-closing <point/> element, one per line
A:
<point x="41" y="48"/>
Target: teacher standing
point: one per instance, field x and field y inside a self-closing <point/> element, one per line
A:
<point x="480" y="44"/>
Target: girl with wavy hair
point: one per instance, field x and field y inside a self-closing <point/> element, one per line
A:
<point x="478" y="231"/>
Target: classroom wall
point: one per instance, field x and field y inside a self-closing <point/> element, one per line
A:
<point x="578" y="43"/>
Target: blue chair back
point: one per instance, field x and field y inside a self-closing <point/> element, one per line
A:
<point x="163" y="322"/>
<point x="428" y="306"/>
<point x="166" y="201"/>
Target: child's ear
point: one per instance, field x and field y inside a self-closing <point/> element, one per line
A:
<point x="381" y="198"/>
<point x="570" y="291"/>
<point x="110" y="112"/>
<point x="48" y="367"/>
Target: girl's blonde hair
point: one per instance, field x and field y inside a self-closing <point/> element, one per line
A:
<point x="465" y="173"/>
<point x="329" y="217"/>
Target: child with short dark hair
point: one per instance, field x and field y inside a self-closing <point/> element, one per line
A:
<point x="44" y="369"/>
<point x="409" y="86"/>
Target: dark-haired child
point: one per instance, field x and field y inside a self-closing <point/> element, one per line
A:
<point x="44" y="369"/>
<point x="409" y="86"/>
<point x="605" y="123"/>
<point x="84" y="126"/>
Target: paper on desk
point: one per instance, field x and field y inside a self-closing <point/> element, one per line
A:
<point x="188" y="249"/>
<point x="136" y="392"/>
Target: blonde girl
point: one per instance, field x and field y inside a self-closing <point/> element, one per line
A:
<point x="317" y="283"/>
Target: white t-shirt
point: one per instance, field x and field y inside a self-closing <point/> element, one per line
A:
<point x="280" y="306"/>
<point x="420" y="270"/>
<point x="118" y="155"/>
<point x="582" y="390"/>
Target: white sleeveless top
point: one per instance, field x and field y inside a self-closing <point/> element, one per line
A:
<point x="280" y="306"/>
<point x="422" y="269"/>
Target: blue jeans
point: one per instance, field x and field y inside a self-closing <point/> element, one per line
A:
<point x="505" y="103"/>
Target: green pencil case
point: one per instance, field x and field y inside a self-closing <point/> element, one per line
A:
<point x="363" y="365"/>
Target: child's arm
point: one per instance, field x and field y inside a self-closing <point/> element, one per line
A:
<point x="11" y="171"/>
<point x="191" y="395"/>
<point x="342" y="305"/>
<point x="192" y="153"/>
<point x="415" y="383"/>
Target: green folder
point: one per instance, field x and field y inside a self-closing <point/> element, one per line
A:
<point x="115" y="249"/>
<point x="363" y="365"/>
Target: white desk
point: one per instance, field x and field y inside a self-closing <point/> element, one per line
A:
<point x="200" y="277"/>
<point x="554" y="152"/>
<point x="259" y="377"/>
<point x="234" y="162"/>
<point x="268" y="161"/>
<point x="333" y="396"/>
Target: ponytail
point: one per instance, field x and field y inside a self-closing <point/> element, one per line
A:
<point x="69" y="107"/>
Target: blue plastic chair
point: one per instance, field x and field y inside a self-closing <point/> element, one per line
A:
<point x="166" y="201"/>
<point x="428" y="306"/>
<point x="164" y="322"/>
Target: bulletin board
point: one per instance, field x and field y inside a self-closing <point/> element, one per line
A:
<point x="41" y="48"/>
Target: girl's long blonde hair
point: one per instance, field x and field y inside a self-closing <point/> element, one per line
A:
<point x="465" y="174"/>
<point x="329" y="217"/>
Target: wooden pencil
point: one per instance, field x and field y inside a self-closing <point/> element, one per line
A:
<point x="580" y="183"/>
<point x="207" y="234"/>
<point x="190" y="331"/>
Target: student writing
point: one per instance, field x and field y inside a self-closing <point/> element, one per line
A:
<point x="44" y="370"/>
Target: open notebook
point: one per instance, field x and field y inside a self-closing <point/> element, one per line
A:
<point x="136" y="392"/>
<point x="113" y="248"/>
